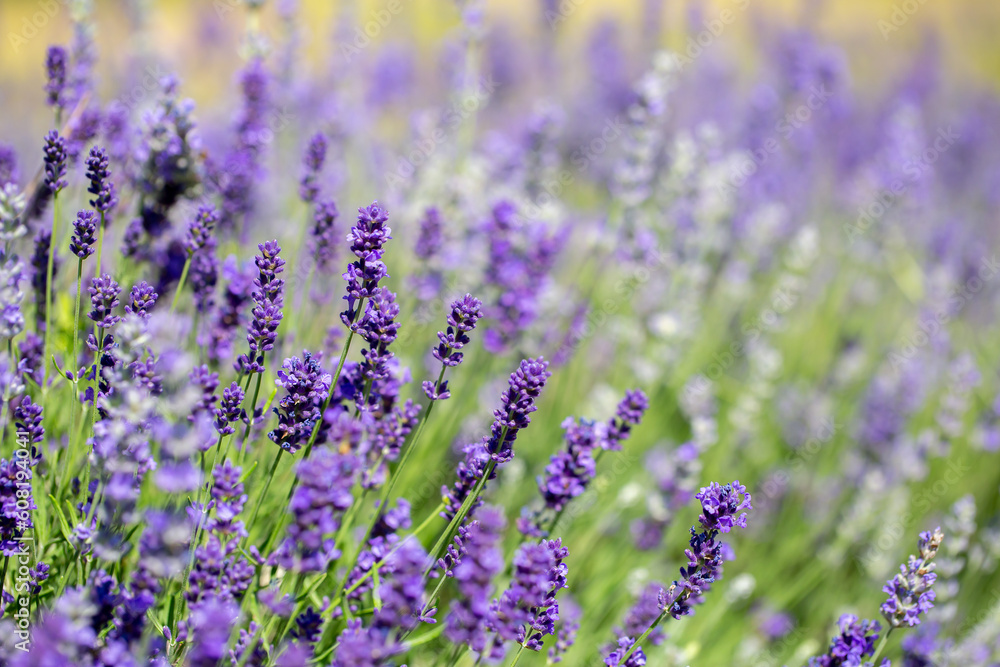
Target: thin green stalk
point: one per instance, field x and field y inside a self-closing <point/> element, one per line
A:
<point x="250" y="418"/>
<point x="407" y="450"/>
<point x="643" y="636"/>
<point x="333" y="383"/>
<point x="246" y="388"/>
<point x="97" y="379"/>
<point x="100" y="246"/>
<point x="881" y="645"/>
<point x="323" y="409"/>
<point x="517" y="656"/>
<point x="180" y="283"/>
<point x="53" y="240"/>
<point x="463" y="511"/>
<point x="76" y="352"/>
<point x="263" y="493"/>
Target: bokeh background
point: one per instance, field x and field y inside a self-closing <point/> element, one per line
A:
<point x="803" y="556"/>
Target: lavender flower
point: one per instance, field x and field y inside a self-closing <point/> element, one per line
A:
<point x="855" y="642"/>
<point x="306" y="385"/>
<point x="229" y="315"/>
<point x="910" y="591"/>
<point x="104" y="299"/>
<point x="527" y="610"/>
<point x="55" y="73"/>
<point x="267" y="310"/>
<point x="323" y="234"/>
<point x="84" y="234"/>
<point x="518" y="401"/>
<point x="9" y="173"/>
<point x="204" y="275"/>
<point x="380" y="545"/>
<point x="402" y="594"/>
<point x="519" y="262"/>
<point x="39" y="277"/>
<point x="323" y="494"/>
<point x="569" y="614"/>
<point x="467" y="618"/>
<point x="465" y="312"/>
<point x="525" y="384"/>
<point x="229" y="411"/>
<point x="431" y="239"/>
<point x="141" y="299"/>
<point x="358" y="646"/>
<point x="200" y="230"/>
<point x="721" y="512"/>
<point x="55" y="163"/>
<point x="721" y="507"/>
<point x="379" y="328"/>
<point x="628" y="415"/>
<point x="207" y="382"/>
<point x="617" y="657"/>
<point x="28" y="419"/>
<point x="367" y="238"/>
<point x="211" y="624"/>
<point x="313" y="164"/>
<point x="101" y="185"/>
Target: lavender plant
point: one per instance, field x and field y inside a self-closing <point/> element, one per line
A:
<point x="783" y="270"/>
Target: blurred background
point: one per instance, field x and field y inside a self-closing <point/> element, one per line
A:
<point x="196" y="37"/>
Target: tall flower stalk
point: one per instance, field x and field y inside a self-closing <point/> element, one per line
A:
<point x="721" y="510"/>
<point x="55" y="180"/>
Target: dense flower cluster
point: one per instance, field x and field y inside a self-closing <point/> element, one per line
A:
<point x="524" y="386"/>
<point x="268" y="301"/>
<point x="367" y="238"/>
<point x="910" y="593"/>
<point x="855" y="642"/>
<point x="465" y="312"/>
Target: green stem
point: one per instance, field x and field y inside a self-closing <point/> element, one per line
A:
<point x="263" y="493"/>
<point x="642" y="637"/>
<point x="459" y="517"/>
<point x="180" y="283"/>
<point x="76" y="356"/>
<point x="517" y="656"/>
<point x="76" y="321"/>
<point x="407" y="450"/>
<point x="881" y="645"/>
<point x="100" y="246"/>
<point x="48" y="281"/>
<point x="250" y="418"/>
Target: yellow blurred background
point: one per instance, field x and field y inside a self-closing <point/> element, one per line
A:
<point x="197" y="38"/>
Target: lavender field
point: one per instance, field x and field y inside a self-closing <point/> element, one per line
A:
<point x="438" y="334"/>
